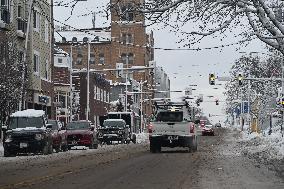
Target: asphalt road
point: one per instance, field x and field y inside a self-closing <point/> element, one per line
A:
<point x="218" y="164"/>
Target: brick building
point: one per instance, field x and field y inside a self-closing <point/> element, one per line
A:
<point x="125" y="41"/>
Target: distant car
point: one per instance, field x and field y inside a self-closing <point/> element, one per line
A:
<point x="208" y="130"/>
<point x="218" y="125"/>
<point x="114" y="130"/>
<point x="59" y="137"/>
<point x="81" y="133"/>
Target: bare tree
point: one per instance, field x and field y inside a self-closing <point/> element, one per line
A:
<point x="260" y="19"/>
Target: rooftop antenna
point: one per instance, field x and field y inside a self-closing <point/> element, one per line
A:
<point x="94" y="20"/>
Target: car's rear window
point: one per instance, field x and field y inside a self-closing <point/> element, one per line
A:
<point x="169" y="116"/>
<point x="77" y="125"/>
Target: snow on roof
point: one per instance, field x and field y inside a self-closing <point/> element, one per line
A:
<point x="28" y="113"/>
<point x="114" y="120"/>
<point x="102" y="35"/>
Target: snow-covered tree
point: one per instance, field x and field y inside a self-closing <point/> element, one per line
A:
<point x="11" y="81"/>
<point x="264" y="90"/>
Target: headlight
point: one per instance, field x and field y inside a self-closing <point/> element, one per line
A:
<point x="8" y="138"/>
<point x="39" y="136"/>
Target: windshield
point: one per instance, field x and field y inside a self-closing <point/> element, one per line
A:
<point x="54" y="124"/>
<point x="78" y="126"/>
<point x="23" y="122"/>
<point x="170" y="116"/>
<point x="114" y="124"/>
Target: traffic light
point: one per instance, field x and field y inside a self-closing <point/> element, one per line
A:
<point x="282" y="102"/>
<point x="217" y="102"/>
<point x="240" y="79"/>
<point x="212" y="79"/>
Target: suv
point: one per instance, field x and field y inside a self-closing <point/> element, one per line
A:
<point x="27" y="132"/>
<point x="59" y="138"/>
<point x="81" y="133"/>
<point x="114" y="130"/>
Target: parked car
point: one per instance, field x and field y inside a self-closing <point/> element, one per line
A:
<point x="81" y="133"/>
<point x="114" y="130"/>
<point x="59" y="137"/>
<point x="27" y="132"/>
<point x="208" y="130"/>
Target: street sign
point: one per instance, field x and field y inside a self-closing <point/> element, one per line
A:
<point x="119" y="72"/>
<point x="224" y="78"/>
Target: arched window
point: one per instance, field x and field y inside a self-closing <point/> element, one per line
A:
<point x="74" y="39"/>
<point x="101" y="58"/>
<point x="92" y="58"/>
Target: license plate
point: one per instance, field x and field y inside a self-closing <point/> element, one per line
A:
<point x="172" y="137"/>
<point x="23" y="145"/>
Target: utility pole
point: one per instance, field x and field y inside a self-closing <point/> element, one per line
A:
<point x="88" y="83"/>
<point x="71" y="82"/>
<point x="21" y="103"/>
<point x="126" y="83"/>
<point x="141" y="105"/>
<point x="282" y="93"/>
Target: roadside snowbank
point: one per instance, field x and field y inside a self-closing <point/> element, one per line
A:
<point x="142" y="138"/>
<point x="263" y="146"/>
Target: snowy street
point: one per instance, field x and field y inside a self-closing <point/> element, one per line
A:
<point x="226" y="160"/>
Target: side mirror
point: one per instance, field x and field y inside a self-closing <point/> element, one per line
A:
<point x="197" y="122"/>
<point x="49" y="126"/>
<point x="92" y="128"/>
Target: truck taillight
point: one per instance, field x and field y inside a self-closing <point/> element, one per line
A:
<point x="191" y="128"/>
<point x="150" y="128"/>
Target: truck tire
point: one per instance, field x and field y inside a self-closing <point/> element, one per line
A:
<point x="45" y="149"/>
<point x="50" y="149"/>
<point x="9" y="154"/>
<point x="193" y="145"/>
<point x="155" y="147"/>
<point x="133" y="139"/>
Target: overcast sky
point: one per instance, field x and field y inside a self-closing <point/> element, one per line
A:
<point x="183" y="67"/>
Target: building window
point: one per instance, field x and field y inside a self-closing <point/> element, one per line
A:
<point x="36" y="19"/>
<point x="79" y="59"/>
<point x="130" y="58"/>
<point x="127" y="13"/>
<point x="95" y="92"/>
<point x="20" y="11"/>
<point x="36" y="62"/>
<point x="47" y="70"/>
<point x="101" y="58"/>
<point x="92" y="58"/>
<point x="46" y="33"/>
<point x="127" y="57"/>
<point x="5" y="12"/>
<point x="123" y="38"/>
<point x="129" y="39"/>
<point x="60" y="60"/>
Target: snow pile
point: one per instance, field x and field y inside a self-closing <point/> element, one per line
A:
<point x="263" y="146"/>
<point x="28" y="113"/>
<point x="142" y="138"/>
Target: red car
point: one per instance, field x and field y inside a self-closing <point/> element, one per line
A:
<point x="208" y="130"/>
<point x="81" y="133"/>
<point x="59" y="139"/>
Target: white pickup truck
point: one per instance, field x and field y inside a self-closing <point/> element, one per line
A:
<point x="170" y="129"/>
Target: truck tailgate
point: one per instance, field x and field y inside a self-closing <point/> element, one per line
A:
<point x="171" y="128"/>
